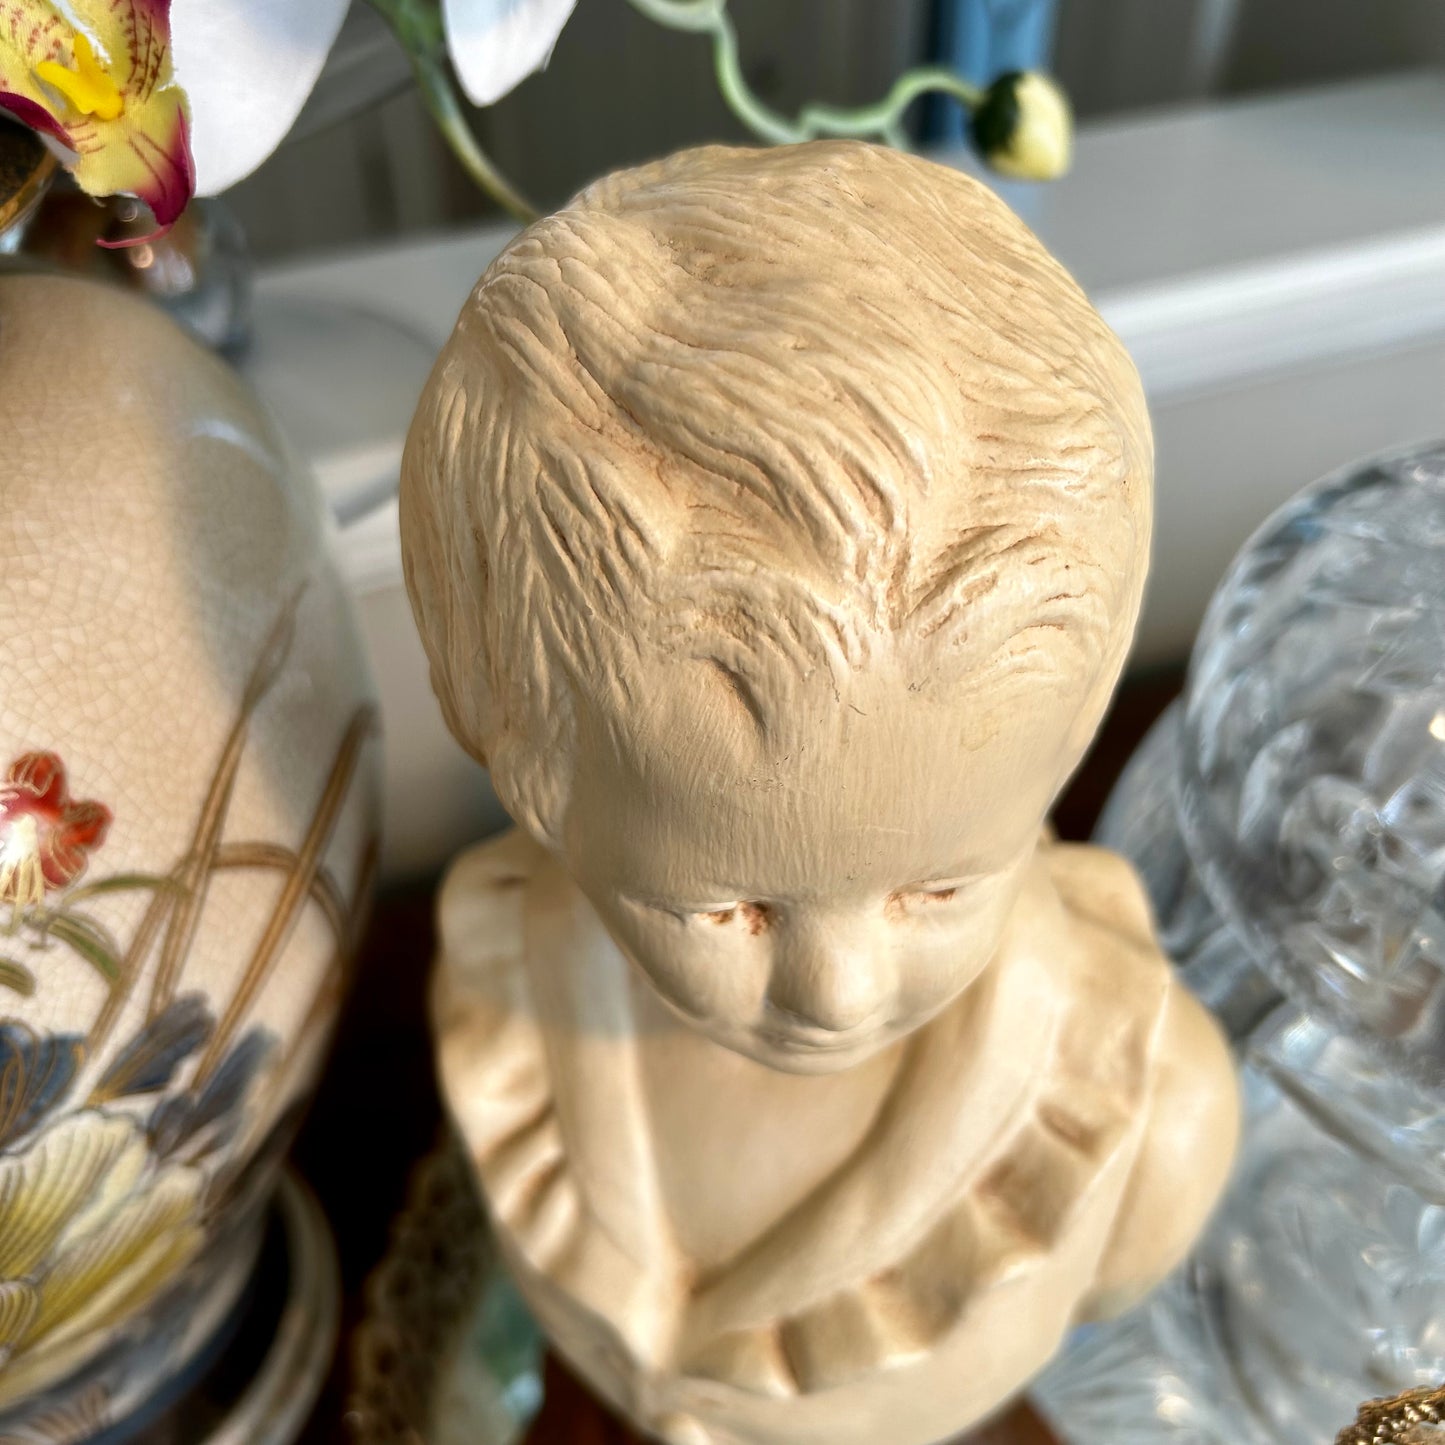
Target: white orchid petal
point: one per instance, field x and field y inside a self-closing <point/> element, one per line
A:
<point x="247" y="67"/>
<point x="496" y="44"/>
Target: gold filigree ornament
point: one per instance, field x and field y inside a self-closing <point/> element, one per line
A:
<point x="1415" y="1418"/>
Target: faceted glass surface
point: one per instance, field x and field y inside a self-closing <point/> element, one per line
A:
<point x="1319" y="1284"/>
<point x="1288" y="822"/>
<point x="1141" y="821"/>
<point x="1311" y="774"/>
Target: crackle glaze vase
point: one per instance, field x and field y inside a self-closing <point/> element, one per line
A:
<point x="187" y="784"/>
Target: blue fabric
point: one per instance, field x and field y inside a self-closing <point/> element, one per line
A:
<point x="982" y="39"/>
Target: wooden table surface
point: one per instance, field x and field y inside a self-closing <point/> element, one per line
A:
<point x="570" y="1417"/>
<point x="377" y="1112"/>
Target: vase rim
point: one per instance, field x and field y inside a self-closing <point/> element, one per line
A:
<point x="26" y="169"/>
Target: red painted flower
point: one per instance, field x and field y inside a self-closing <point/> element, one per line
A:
<point x="46" y="836"/>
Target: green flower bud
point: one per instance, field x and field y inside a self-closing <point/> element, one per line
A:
<point x="1024" y="127"/>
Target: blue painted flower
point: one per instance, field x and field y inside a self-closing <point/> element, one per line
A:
<point x="202" y="1120"/>
<point x="35" y="1074"/>
<point x="149" y="1061"/>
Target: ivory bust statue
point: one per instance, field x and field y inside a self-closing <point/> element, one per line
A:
<point x="776" y="524"/>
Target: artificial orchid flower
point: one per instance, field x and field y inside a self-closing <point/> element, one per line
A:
<point x="496" y="44"/>
<point x="102" y="88"/>
<point x="165" y="98"/>
<point x="247" y="67"/>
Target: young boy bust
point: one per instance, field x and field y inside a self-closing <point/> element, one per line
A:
<point x="776" y="523"/>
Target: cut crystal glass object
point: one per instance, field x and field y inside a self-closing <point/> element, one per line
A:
<point x="1288" y="819"/>
<point x="1311" y="761"/>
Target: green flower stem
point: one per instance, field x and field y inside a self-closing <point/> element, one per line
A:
<point x="417" y="25"/>
<point x="441" y="100"/>
<point x="883" y="119"/>
<point x="87" y="938"/>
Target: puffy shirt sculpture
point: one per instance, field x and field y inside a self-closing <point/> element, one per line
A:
<point x="776" y="523"/>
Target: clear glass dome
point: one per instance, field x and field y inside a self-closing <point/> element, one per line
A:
<point x="1311" y="781"/>
<point x="1288" y="820"/>
<point x="1141" y="821"/>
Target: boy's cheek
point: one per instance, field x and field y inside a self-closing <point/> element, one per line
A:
<point x="707" y="985"/>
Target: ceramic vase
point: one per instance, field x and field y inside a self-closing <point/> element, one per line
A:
<point x="188" y="777"/>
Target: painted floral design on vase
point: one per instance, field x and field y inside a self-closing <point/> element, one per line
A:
<point x="188" y="752"/>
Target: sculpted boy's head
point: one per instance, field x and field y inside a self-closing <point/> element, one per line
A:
<point x="776" y="523"/>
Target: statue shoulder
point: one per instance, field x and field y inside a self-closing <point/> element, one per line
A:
<point x="489" y="1051"/>
<point x="1103" y="889"/>
<point x="1184" y="1159"/>
<point x="1117" y="977"/>
<point x="479" y="905"/>
<point x="1135" y="1021"/>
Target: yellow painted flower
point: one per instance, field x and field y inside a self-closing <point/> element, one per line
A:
<point x="1024" y="127"/>
<point x="103" y="88"/>
<point x="90" y="1231"/>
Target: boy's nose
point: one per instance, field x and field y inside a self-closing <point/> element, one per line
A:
<point x="833" y="979"/>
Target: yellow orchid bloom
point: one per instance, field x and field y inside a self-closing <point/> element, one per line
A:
<point x="103" y="87"/>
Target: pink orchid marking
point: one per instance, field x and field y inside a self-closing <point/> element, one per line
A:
<point x="106" y="94"/>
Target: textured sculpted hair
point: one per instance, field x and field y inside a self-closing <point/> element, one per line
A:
<point x="771" y="411"/>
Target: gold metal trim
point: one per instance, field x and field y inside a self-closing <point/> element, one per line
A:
<point x="26" y="170"/>
<point x="1415" y="1418"/>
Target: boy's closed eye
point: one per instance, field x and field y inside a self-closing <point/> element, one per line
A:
<point x="755" y="917"/>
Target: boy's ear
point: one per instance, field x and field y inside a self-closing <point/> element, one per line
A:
<point x="533" y="783"/>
